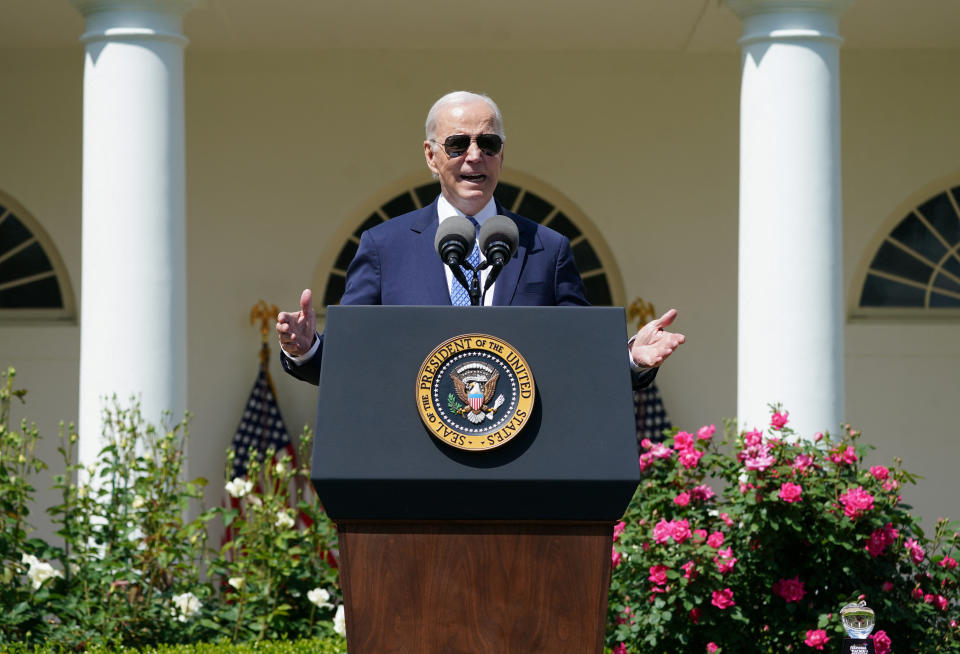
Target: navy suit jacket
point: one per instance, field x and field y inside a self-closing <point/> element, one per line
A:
<point x="396" y="263"/>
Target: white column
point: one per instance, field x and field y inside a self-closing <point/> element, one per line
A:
<point x="133" y="298"/>
<point x="790" y="317"/>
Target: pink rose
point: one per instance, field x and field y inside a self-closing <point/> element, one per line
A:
<point x="699" y="534"/>
<point x="725" y="560"/>
<point x="680" y="531"/>
<point x="890" y="534"/>
<point x="790" y="589"/>
<point x="646" y="443"/>
<point x="712" y="647"/>
<point x="715" y="540"/>
<point x="940" y="602"/>
<point x="887" y="586"/>
<point x="619" y="528"/>
<point x="683" y="499"/>
<point x="615" y="556"/>
<point x="840" y="456"/>
<point x="917" y="594"/>
<point x="879" y="472"/>
<point x="790" y="492"/>
<point x="758" y="457"/>
<point x="706" y="432"/>
<point x="881" y="642"/>
<point x="876" y="543"/>
<point x="689" y="570"/>
<point x="816" y="638"/>
<point x="646" y="460"/>
<point x="689" y="458"/>
<point x="662" y="531"/>
<point x="915" y="549"/>
<point x="801" y="462"/>
<point x="855" y="502"/>
<point x="752" y="438"/>
<point x="661" y="451"/>
<point x="727" y="520"/>
<point x="695" y="615"/>
<point x="779" y="420"/>
<point x="658" y="574"/>
<point x="722" y="599"/>
<point x="683" y="441"/>
<point x="620" y="649"/>
<point x="948" y="562"/>
<point x="880" y="538"/>
<point x="702" y="492"/>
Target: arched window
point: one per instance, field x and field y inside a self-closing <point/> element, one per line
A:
<point x="916" y="267"/>
<point x="601" y="281"/>
<point x="33" y="280"/>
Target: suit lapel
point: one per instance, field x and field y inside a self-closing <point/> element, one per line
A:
<point x="506" y="286"/>
<point x="434" y="272"/>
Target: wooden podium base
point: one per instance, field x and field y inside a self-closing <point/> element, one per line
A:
<point x="475" y="587"/>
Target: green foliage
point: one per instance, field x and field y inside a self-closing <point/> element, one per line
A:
<point x="453" y="405"/>
<point x="132" y="569"/>
<point x="269" y="566"/>
<point x="778" y="526"/>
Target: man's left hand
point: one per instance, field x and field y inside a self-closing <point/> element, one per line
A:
<point x="652" y="345"/>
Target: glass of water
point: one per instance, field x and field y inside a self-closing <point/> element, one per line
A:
<point x="857" y="619"/>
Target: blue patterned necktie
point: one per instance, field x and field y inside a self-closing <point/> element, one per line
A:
<point x="459" y="297"/>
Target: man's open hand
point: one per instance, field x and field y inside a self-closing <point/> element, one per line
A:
<point x="652" y="345"/>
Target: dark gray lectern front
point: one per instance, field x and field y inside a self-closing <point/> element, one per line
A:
<point x="445" y="550"/>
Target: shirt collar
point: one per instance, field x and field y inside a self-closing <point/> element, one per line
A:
<point x="446" y="210"/>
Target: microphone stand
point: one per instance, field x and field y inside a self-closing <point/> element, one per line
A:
<point x="495" y="269"/>
<point x="473" y="286"/>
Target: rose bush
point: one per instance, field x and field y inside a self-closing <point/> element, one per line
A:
<point x="130" y="568"/>
<point x="754" y="543"/>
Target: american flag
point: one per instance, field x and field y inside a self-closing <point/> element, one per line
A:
<point x="651" y="415"/>
<point x="261" y="428"/>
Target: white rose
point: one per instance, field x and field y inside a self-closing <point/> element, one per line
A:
<point x="339" y="622"/>
<point x="280" y="468"/>
<point x="237" y="582"/>
<point x="319" y="597"/>
<point x="39" y="571"/>
<point x="187" y="604"/>
<point x="139" y="502"/>
<point x="239" y="487"/>
<point x="284" y="521"/>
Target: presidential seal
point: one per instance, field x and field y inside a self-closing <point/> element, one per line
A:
<point x="475" y="392"/>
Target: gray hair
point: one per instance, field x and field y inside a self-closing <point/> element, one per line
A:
<point x="460" y="97"/>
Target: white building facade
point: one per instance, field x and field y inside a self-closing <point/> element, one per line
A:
<point x="784" y="184"/>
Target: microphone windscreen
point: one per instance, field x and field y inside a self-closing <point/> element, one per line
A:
<point x="457" y="229"/>
<point x="499" y="228"/>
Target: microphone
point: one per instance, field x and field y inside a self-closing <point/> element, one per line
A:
<point x="454" y="241"/>
<point x="498" y="238"/>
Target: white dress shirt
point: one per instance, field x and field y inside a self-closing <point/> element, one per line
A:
<point x="446" y="210"/>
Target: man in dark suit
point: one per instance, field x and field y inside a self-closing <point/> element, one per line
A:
<point x="396" y="262"/>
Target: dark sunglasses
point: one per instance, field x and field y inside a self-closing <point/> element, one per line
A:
<point x="458" y="144"/>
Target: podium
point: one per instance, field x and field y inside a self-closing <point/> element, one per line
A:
<point x="444" y="550"/>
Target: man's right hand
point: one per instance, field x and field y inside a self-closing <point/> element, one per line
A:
<point x="297" y="331"/>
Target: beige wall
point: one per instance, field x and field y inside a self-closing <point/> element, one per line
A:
<point x="284" y="148"/>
